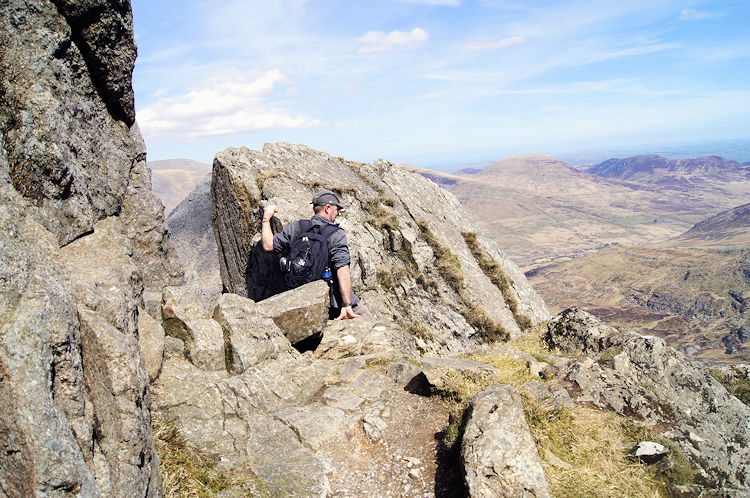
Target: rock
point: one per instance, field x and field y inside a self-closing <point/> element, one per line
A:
<point x="248" y="337"/>
<point x="299" y="313"/>
<point x="498" y="454"/>
<point x="439" y="370"/>
<point x="576" y="331"/>
<point x="81" y="236"/>
<point x="195" y="243"/>
<point x="386" y="203"/>
<point x="299" y="473"/>
<point x="70" y="142"/>
<point x="650" y="452"/>
<point x="179" y="306"/>
<point x="403" y="372"/>
<point x="46" y="414"/>
<point x="151" y="341"/>
<point x="641" y="377"/>
<point x="207" y="349"/>
<point x="557" y="396"/>
<point x="358" y="337"/>
<point x="374" y="427"/>
<point x="541" y="369"/>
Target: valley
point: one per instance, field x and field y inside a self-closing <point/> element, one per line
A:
<point x="644" y="243"/>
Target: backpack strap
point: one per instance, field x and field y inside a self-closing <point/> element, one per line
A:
<point x="328" y="230"/>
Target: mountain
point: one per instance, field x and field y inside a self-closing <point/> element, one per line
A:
<point x="541" y="210"/>
<point x="173" y="179"/>
<point x="692" y="289"/>
<point x="671" y="173"/>
<point x="728" y="228"/>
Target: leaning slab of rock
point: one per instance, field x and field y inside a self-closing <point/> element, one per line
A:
<point x="497" y="450"/>
<point x="299" y="313"/>
<point x="248" y="337"/>
<point x="439" y="370"/>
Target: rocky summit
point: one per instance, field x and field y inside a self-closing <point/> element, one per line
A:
<point x="119" y="339"/>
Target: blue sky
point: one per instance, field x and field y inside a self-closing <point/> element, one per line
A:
<point x="439" y="82"/>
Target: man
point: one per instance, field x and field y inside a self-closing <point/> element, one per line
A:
<point x="326" y="207"/>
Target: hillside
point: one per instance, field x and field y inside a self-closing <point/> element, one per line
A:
<point x="693" y="290"/>
<point x="173" y="179"/>
<point x="542" y="210"/>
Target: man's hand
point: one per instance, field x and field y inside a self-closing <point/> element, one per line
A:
<point x="347" y="313"/>
<point x="266" y="235"/>
<point x="269" y="211"/>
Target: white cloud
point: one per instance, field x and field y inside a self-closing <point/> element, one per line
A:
<point x="232" y="102"/>
<point x="379" y="41"/>
<point x="489" y="44"/>
<point x="692" y="14"/>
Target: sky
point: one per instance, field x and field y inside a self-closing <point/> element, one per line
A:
<point x="436" y="83"/>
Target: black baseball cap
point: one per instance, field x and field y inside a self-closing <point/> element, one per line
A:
<point x="327" y="197"/>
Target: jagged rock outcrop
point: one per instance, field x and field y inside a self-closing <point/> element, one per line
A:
<point x="641" y="377"/>
<point x="498" y="452"/>
<point x="195" y="243"/>
<point x="82" y="236"/>
<point x="396" y="223"/>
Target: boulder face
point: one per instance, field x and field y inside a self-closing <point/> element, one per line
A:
<point x="399" y="226"/>
<point x="82" y="237"/>
<point x="641" y="377"/>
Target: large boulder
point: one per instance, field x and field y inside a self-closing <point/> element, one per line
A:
<point x="82" y="236"/>
<point x="249" y="338"/>
<point x="398" y="225"/>
<point x="498" y="453"/>
<point x="641" y="377"/>
<point x="63" y="73"/>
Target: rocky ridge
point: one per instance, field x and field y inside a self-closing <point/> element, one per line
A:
<point x="82" y="237"/>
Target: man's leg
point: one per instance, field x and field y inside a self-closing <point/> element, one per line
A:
<point x="361" y="309"/>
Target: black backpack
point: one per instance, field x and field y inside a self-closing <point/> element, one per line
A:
<point x="308" y="255"/>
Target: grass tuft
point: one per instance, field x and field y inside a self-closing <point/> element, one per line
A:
<point x="186" y="471"/>
<point x="392" y="276"/>
<point x="498" y="277"/>
<point x="736" y="386"/>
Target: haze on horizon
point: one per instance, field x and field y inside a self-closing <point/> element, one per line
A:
<point x="432" y="82"/>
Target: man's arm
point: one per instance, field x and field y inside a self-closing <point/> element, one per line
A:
<point x="266" y="234"/>
<point x="344" y="276"/>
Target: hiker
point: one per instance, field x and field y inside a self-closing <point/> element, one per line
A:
<point x="326" y="207"/>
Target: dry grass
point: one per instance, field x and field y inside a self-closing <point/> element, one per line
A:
<point x="592" y="442"/>
<point x="185" y="471"/>
<point x="498" y="277"/>
<point x="488" y="329"/>
<point x="447" y="263"/>
<point x="391" y="276"/>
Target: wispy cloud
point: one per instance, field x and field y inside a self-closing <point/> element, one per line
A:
<point x="454" y="3"/>
<point x="233" y="102"/>
<point x="490" y="44"/>
<point x="379" y="41"/>
<point x="692" y="14"/>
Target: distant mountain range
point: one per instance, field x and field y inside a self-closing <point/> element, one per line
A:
<point x="659" y="170"/>
<point x="540" y="209"/>
<point x="173" y="179"/>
